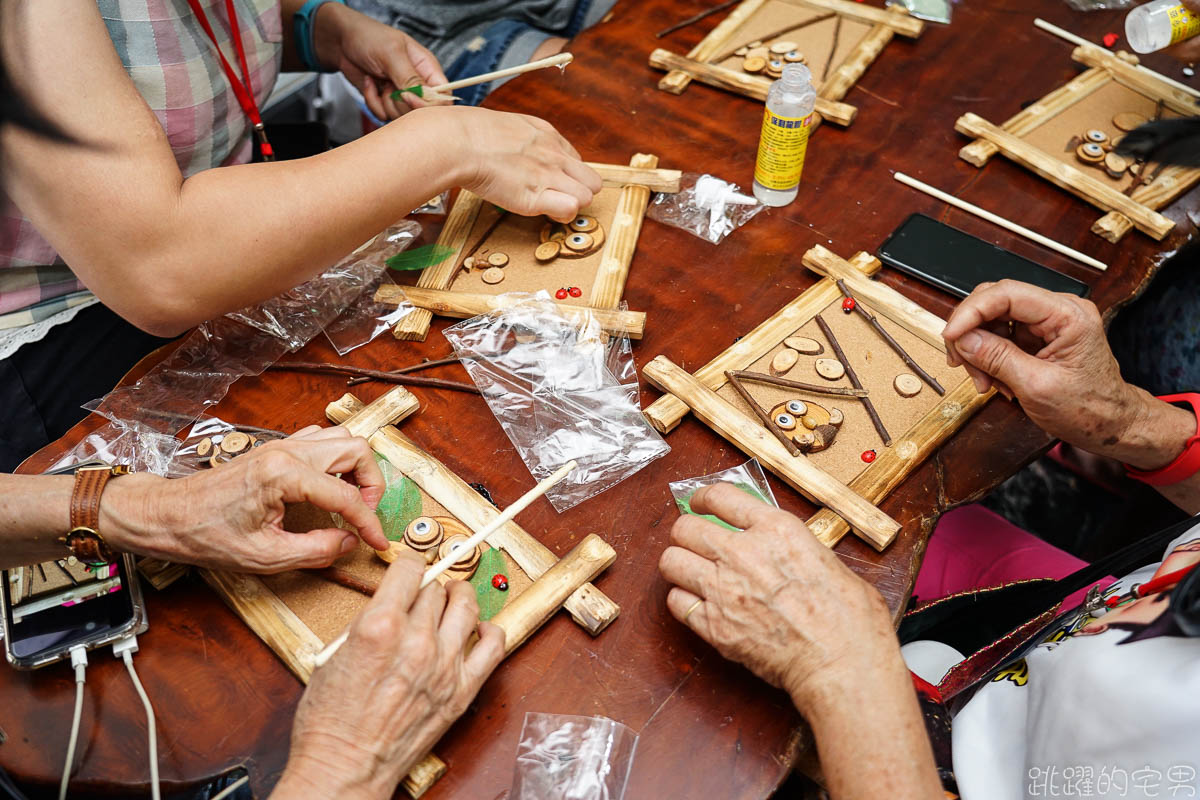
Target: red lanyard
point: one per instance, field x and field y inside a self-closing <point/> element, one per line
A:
<point x="243" y="90"/>
<point x="1160" y="584"/>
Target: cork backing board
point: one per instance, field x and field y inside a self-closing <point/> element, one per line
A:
<point x="814" y="41"/>
<point x="1094" y="111"/>
<point x="876" y="365"/>
<point x="327" y="608"/>
<point x="518" y="236"/>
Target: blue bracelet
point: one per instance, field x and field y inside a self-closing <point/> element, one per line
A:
<point x="302" y="29"/>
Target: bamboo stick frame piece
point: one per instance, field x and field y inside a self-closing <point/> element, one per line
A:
<point x="556" y="583"/>
<point x="1123" y="211"/>
<point x="608" y="287"/>
<point x="844" y="504"/>
<point x="700" y="63"/>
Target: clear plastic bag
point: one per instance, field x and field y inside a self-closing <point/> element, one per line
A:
<point x="133" y="445"/>
<point x="705" y="206"/>
<point x="550" y="385"/>
<point x="365" y="319"/>
<point x="932" y="10"/>
<point x="436" y="205"/>
<point x="563" y="757"/>
<point x="204" y="438"/>
<point x="748" y="477"/>
<point x="1100" y="5"/>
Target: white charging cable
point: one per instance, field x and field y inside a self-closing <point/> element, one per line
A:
<point x="79" y="661"/>
<point x="124" y="650"/>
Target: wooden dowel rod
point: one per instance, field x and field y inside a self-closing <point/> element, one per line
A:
<point x="692" y="20"/>
<point x="1079" y="40"/>
<point x="887" y="337"/>
<point x="1020" y="230"/>
<point x="772" y="35"/>
<point x="560" y="60"/>
<point x="771" y="380"/>
<point x="854" y="381"/>
<point x="474" y="541"/>
<point x="762" y="415"/>
<point x="343" y="578"/>
<point x="654" y="179"/>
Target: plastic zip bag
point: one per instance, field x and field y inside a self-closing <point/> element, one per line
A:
<point x="705" y="206"/>
<point x="365" y="319"/>
<point x="564" y="757"/>
<point x="551" y="388"/>
<point x="748" y="477"/>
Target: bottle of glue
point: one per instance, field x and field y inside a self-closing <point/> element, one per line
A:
<point x="787" y="122"/>
<point x="1160" y="24"/>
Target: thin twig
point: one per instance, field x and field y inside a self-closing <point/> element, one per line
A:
<point x="343" y="578"/>
<point x="405" y="370"/>
<point x="483" y="237"/>
<point x="771" y="35"/>
<point x="837" y="32"/>
<point x="761" y="413"/>
<point x="694" y="19"/>
<point x="854" y="381"/>
<point x="887" y="337"/>
<point x="771" y="380"/>
<point x="374" y="374"/>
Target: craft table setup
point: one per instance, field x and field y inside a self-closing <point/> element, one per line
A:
<point x="916" y="96"/>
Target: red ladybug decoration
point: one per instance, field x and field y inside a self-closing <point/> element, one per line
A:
<point x="848" y="304"/>
<point x="575" y="291"/>
<point x="561" y="294"/>
<point x="868" y="456"/>
<point x="500" y="582"/>
<point x="1110" y="39"/>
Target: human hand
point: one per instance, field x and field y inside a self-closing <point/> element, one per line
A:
<point x="1187" y="51"/>
<point x="775" y="599"/>
<point x="401" y="679"/>
<point x="518" y="162"/>
<point x="231" y="517"/>
<point x="1049" y="351"/>
<point x="376" y="58"/>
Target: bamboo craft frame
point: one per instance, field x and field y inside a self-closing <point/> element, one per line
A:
<point x="698" y="392"/>
<point x="556" y="583"/>
<point x="682" y="70"/>
<point x="1122" y="212"/>
<point x="608" y="286"/>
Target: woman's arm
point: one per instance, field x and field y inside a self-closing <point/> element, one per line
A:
<point x="167" y="253"/>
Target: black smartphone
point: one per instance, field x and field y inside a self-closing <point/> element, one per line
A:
<point x="958" y="262"/>
<point x="52" y="607"/>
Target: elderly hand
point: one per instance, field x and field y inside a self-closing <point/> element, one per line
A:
<point x="376" y="58"/>
<point x="775" y="599"/>
<point x="402" y="678"/>
<point x="1048" y="351"/>
<point x="231" y="517"/>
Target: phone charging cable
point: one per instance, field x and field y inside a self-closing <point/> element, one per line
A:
<point x="79" y="661"/>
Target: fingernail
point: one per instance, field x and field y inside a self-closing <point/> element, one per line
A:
<point x="979" y="385"/>
<point x="349" y="543"/>
<point x="969" y="343"/>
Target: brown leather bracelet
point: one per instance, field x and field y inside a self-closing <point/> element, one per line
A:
<point x="84" y="539"/>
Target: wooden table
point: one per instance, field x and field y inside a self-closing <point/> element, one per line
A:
<point x="708" y="728"/>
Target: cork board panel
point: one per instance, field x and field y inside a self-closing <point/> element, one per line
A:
<point x="518" y="236"/>
<point x="1095" y="111"/>
<point x="876" y="365"/>
<point x="327" y="607"/>
<point x="814" y="41"/>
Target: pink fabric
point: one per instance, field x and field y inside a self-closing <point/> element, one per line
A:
<point x="974" y="548"/>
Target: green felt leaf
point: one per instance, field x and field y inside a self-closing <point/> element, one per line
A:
<point x="418" y="90"/>
<point x="685" y="505"/>
<point x="490" y="599"/>
<point x="401" y="502"/>
<point x="420" y="257"/>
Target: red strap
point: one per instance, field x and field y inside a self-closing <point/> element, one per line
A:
<point x="242" y="90"/>
<point x="1188" y="462"/>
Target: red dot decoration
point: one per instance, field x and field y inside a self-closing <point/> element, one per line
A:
<point x="1110" y="39"/>
<point x="848" y="304"/>
<point x="561" y="294"/>
<point x="575" y="291"/>
<point x="868" y="456"/>
<point x="500" y="582"/>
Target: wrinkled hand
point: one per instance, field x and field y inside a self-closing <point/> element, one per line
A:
<point x="401" y="679"/>
<point x="231" y="517"/>
<point x="376" y="58"/>
<point x="774" y="598"/>
<point x="1187" y="51"/>
<point x="1049" y="351"/>
<point x="518" y="162"/>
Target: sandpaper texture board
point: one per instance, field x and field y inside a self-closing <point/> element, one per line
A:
<point x="517" y="237"/>
<point x="327" y="608"/>
<point x="1094" y="112"/>
<point x="815" y="41"/>
<point x="876" y="365"/>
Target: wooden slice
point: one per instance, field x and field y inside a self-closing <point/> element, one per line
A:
<point x="493" y="275"/>
<point x="423" y="533"/>
<point x="498" y="260"/>
<point x="1115" y="165"/>
<point x="579" y="242"/>
<point x="794" y="57"/>
<point x="783" y="361"/>
<point x="547" y="251"/>
<point x="1090" y="153"/>
<point x="1095" y="135"/>
<point x="829" y="368"/>
<point x="805" y="440"/>
<point x="783" y="46"/>
<point x="205" y="447"/>
<point x="467" y="562"/>
<point x="394" y="551"/>
<point x="785" y="421"/>
<point x="754" y="64"/>
<point x="741" y="51"/>
<point x="235" y="442"/>
<point x="797" y="408"/>
<point x="804" y="345"/>
<point x="775" y="68"/>
<point x="469" y="262"/>
<point x="1128" y="120"/>
<point x="584" y="224"/>
<point x="836" y="417"/>
<point x="907" y="385"/>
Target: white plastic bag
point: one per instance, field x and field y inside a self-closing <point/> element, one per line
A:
<point x="564" y="757"/>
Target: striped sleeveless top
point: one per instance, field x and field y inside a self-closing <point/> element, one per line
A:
<point x="173" y="64"/>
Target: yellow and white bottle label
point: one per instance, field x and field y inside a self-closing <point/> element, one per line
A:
<point x="1184" y="24"/>
<point x="781" y="150"/>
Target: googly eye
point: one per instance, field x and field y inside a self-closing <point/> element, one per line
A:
<point x="797" y="408"/>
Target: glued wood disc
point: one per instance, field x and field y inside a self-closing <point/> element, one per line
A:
<point x="836" y="417"/>
<point x="783" y="361"/>
<point x="907" y="385"/>
<point x="423" y="533"/>
<point x="467" y="561"/>
<point x="794" y="57"/>
<point x="804" y="345"/>
<point x="578" y="242"/>
<point x="205" y="447"/>
<point x="775" y="67"/>
<point x="785" y="421"/>
<point x="741" y="51"/>
<point x="584" y="224"/>
<point x="829" y="368"/>
<point x="1115" y="165"/>
<point x="784" y="46"/>
<point x="498" y="260"/>
<point x="1127" y="121"/>
<point x="1090" y="153"/>
<point x="469" y="262"/>
<point x="1096" y="135"/>
<point x="797" y="408"/>
<point x="493" y="275"/>
<point x="547" y="251"/>
<point x="754" y="64"/>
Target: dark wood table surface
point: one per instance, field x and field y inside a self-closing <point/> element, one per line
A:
<point x="708" y="728"/>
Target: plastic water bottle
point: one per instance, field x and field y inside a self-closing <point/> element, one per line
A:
<point x="1160" y="24"/>
<point x="787" y="122"/>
